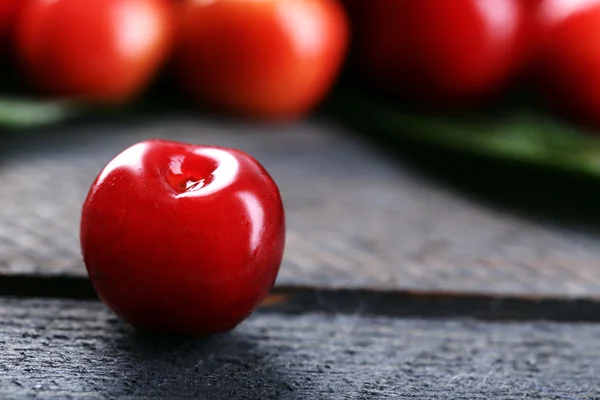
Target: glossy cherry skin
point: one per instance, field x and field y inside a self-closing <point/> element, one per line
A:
<point x="183" y="239"/>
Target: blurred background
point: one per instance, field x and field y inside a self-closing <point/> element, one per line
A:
<point x="430" y="144"/>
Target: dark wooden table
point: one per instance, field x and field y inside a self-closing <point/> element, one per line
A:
<point x="400" y="280"/>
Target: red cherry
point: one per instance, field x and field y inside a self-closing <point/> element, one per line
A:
<point x="441" y="53"/>
<point x="568" y="65"/>
<point x="184" y="239"/>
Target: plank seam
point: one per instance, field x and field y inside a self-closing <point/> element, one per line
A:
<point x="397" y="303"/>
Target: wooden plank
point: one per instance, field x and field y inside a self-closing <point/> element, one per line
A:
<point x="72" y="349"/>
<point x="356" y="219"/>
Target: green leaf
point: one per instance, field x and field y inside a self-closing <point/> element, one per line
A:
<point x="21" y="113"/>
<point x="520" y="135"/>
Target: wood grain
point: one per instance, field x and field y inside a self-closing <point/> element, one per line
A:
<point x="67" y="349"/>
<point x="356" y="218"/>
